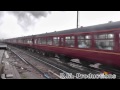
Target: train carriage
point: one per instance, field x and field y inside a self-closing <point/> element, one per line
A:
<point x="99" y="43"/>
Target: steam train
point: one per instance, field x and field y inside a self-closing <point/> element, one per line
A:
<point x="98" y="43"/>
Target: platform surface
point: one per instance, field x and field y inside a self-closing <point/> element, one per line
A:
<point x="1" y="55"/>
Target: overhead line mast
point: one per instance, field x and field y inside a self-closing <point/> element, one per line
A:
<point x="77" y="19"/>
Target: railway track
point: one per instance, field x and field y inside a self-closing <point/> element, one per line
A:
<point x="79" y="67"/>
<point x="103" y="68"/>
<point x="82" y="69"/>
<point x="111" y="70"/>
<point x="87" y="69"/>
<point x="52" y="61"/>
<point x="60" y="68"/>
<point x="28" y="63"/>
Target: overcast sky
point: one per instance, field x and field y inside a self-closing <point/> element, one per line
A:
<point x="23" y="23"/>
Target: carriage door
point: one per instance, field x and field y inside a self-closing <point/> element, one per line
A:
<point x="62" y="41"/>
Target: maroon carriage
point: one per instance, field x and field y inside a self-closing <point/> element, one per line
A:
<point x="99" y="43"/>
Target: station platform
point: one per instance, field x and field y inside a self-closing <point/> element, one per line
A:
<point x="1" y="55"/>
<point x="7" y="71"/>
<point x="10" y="71"/>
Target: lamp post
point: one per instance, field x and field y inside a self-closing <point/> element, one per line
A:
<point x="77" y="19"/>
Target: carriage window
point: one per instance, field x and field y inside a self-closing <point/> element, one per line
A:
<point x="104" y="36"/>
<point x="35" y="41"/>
<point x="25" y="41"/>
<point x="43" y="40"/>
<point x="20" y="41"/>
<point x="104" y="41"/>
<point x="62" y="41"/>
<point x="84" y="41"/>
<point x="49" y="41"/>
<point x="70" y="41"/>
<point x="39" y="41"/>
<point x="56" y="41"/>
<point x="119" y="40"/>
<point x="29" y="41"/>
<point x="14" y="41"/>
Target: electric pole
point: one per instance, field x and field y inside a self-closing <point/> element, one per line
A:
<point x="77" y="19"/>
